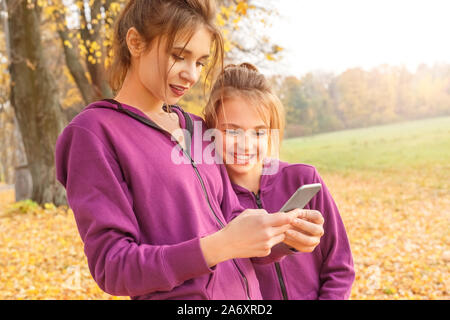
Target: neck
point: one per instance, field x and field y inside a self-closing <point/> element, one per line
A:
<point x="249" y="180"/>
<point x="134" y="93"/>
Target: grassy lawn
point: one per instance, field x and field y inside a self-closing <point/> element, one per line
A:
<point x="390" y="147"/>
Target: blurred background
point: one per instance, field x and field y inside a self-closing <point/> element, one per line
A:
<point x="366" y="87"/>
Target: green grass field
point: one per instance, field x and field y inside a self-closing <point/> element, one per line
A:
<point x="410" y="144"/>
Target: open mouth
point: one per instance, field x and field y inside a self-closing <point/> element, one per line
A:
<point x="242" y="159"/>
<point x="178" y="90"/>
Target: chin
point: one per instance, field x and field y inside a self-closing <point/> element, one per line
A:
<point x="241" y="169"/>
<point x="172" y="101"/>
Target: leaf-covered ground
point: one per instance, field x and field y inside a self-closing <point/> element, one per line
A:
<point x="397" y="223"/>
<point x="399" y="231"/>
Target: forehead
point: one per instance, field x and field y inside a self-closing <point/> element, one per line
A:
<point x="242" y="112"/>
<point x="194" y="41"/>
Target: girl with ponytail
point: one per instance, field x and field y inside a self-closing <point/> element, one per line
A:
<point x="250" y="121"/>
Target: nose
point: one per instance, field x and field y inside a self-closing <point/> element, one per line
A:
<point x="190" y="73"/>
<point x="246" y="141"/>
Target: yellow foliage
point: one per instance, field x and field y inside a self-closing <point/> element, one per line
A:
<point x="225" y="11"/>
<point x="270" y="57"/>
<point x="72" y="97"/>
<point x="220" y="21"/>
<point x="227" y="45"/>
<point x="242" y="7"/>
<point x="83" y="50"/>
<point x="277" y="48"/>
<point x="115" y="7"/>
<point x="68" y="44"/>
<point x="88" y="76"/>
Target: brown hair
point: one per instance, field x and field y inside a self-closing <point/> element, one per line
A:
<point x="155" y="18"/>
<point x="245" y="81"/>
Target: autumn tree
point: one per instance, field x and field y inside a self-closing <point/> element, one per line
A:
<point x="243" y="24"/>
<point x="85" y="31"/>
<point x="34" y="97"/>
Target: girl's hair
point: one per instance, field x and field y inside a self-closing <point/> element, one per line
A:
<point x="245" y="81"/>
<point x="156" y="18"/>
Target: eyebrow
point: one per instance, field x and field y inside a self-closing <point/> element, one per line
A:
<point x="184" y="50"/>
<point x="236" y="126"/>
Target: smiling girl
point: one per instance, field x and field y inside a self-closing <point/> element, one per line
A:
<point x="250" y="117"/>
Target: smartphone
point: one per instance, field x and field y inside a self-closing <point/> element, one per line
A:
<point x="301" y="197"/>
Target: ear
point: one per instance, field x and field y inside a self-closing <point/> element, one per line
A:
<point x="135" y="42"/>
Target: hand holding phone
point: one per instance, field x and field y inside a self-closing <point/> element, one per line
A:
<point x="305" y="235"/>
<point x="301" y="197"/>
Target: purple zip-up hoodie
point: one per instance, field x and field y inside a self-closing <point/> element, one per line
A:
<point x="140" y="215"/>
<point x="325" y="273"/>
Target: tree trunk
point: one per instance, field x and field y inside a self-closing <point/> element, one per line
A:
<point x="35" y="100"/>
<point x="96" y="86"/>
<point x="77" y="70"/>
<point x="93" y="34"/>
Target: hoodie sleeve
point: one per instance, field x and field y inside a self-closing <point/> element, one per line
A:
<point x="231" y="208"/>
<point x="103" y="210"/>
<point x="337" y="273"/>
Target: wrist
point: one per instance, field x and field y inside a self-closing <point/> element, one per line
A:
<point x="214" y="248"/>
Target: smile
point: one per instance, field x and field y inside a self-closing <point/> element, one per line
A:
<point x="242" y="159"/>
<point x="178" y="90"/>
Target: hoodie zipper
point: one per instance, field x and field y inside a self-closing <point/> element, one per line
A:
<point x="205" y="193"/>
<point x="194" y="165"/>
<point x="244" y="278"/>
<point x="277" y="264"/>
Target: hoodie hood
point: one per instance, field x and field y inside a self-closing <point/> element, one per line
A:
<point x="137" y="113"/>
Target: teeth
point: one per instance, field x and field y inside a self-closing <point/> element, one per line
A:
<point x="240" y="157"/>
<point x="178" y="88"/>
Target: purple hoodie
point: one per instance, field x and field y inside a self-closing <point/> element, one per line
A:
<point x="325" y="273"/>
<point x="140" y="215"/>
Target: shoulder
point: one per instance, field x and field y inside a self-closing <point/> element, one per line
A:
<point x="94" y="119"/>
<point x="197" y="120"/>
<point x="304" y="173"/>
<point x="195" y="117"/>
<point x="284" y="175"/>
<point x="91" y="126"/>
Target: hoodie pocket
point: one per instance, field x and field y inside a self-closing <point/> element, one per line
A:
<point x="211" y="285"/>
<point x="226" y="283"/>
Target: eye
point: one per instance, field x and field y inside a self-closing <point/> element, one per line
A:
<point x="177" y="57"/>
<point x="200" y="64"/>
<point x="261" y="132"/>
<point x="231" y="132"/>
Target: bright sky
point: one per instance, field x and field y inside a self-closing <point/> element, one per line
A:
<point x="333" y="35"/>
